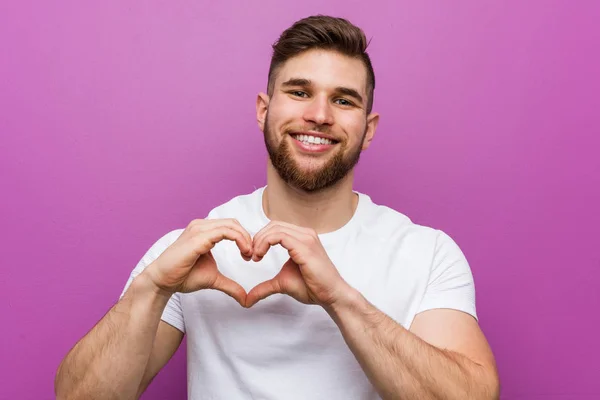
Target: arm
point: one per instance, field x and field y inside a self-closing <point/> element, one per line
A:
<point x="400" y="364"/>
<point x="167" y="341"/>
<point x="119" y="357"/>
<point x="445" y="356"/>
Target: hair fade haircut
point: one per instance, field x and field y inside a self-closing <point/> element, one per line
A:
<point x="326" y="33"/>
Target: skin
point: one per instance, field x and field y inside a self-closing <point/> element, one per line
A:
<point x="443" y="355"/>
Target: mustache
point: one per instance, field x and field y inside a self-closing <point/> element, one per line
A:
<point x="309" y="128"/>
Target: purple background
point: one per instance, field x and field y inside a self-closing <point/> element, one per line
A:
<point x="122" y="120"/>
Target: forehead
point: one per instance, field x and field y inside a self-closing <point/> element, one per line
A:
<point x="325" y="68"/>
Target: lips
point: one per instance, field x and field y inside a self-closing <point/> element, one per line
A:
<point x="309" y="137"/>
<point x="307" y="147"/>
<point x="313" y="140"/>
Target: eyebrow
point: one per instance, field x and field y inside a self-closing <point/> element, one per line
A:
<point x="301" y="82"/>
<point x="349" y="92"/>
<point x="297" y="82"/>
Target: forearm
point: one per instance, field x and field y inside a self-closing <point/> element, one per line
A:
<point x="109" y="362"/>
<point x="401" y="365"/>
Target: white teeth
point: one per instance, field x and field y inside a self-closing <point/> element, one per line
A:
<point x="312" y="139"/>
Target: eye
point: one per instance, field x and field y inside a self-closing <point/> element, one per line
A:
<point x="299" y="93"/>
<point x="344" y="102"/>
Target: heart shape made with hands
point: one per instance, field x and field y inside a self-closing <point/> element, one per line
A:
<point x="308" y="276"/>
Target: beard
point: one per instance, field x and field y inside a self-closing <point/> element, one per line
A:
<point x="313" y="179"/>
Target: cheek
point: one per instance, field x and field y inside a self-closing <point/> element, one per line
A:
<point x="354" y="126"/>
<point x="284" y="113"/>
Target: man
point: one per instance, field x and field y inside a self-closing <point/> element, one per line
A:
<point x="340" y="298"/>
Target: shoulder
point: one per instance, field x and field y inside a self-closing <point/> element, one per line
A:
<point x="236" y="205"/>
<point x="246" y="208"/>
<point x="389" y="224"/>
<point x="162" y="244"/>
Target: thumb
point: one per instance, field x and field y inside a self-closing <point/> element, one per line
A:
<point x="262" y="291"/>
<point x="231" y="288"/>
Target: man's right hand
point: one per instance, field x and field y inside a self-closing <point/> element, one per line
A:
<point x="188" y="265"/>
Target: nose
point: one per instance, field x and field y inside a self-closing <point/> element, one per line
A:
<point x="319" y="111"/>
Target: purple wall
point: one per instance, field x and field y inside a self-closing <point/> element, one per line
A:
<point x="120" y="121"/>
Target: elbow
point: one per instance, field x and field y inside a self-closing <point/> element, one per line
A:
<point x="495" y="392"/>
<point x="64" y="389"/>
<point x="59" y="387"/>
<point x="57" y="383"/>
<point x="492" y="387"/>
<point x="484" y="384"/>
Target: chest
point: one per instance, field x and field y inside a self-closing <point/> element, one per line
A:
<point x="391" y="275"/>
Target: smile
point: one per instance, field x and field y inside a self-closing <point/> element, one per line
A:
<point x="309" y="144"/>
<point x="308" y="140"/>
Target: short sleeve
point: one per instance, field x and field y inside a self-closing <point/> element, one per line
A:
<point x="451" y="282"/>
<point x="172" y="314"/>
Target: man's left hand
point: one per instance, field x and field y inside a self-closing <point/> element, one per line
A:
<point x="308" y="276"/>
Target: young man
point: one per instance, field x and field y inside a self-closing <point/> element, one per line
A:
<point x="340" y="298"/>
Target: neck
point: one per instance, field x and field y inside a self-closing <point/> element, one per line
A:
<point x="324" y="211"/>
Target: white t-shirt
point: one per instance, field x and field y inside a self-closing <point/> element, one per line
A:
<point x="282" y="349"/>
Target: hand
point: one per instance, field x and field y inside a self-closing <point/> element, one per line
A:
<point x="308" y="276"/>
<point x="188" y="265"/>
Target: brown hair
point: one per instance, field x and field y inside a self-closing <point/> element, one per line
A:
<point x="327" y="33"/>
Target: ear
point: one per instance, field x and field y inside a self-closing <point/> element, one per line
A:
<point x="262" y="105"/>
<point x="372" y="121"/>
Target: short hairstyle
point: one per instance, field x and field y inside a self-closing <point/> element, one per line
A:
<point x="326" y="33"/>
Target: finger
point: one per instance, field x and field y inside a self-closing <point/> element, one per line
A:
<point x="257" y="237"/>
<point x="288" y="281"/>
<point x="262" y="291"/>
<point x="274" y="224"/>
<point x="287" y="238"/>
<point x="206" y="240"/>
<point x="235" y="224"/>
<point x="297" y="228"/>
<point x="246" y="236"/>
<point x="231" y="288"/>
<point x="259" y="246"/>
<point x="211" y="224"/>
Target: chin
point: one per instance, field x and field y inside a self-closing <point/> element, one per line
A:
<point x="309" y="167"/>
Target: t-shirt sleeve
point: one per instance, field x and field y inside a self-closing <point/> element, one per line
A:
<point x="451" y="282"/>
<point x="172" y="314"/>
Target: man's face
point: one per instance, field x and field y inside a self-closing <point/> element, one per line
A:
<point x="315" y="122"/>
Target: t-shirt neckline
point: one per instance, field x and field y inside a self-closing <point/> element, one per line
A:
<point x="329" y="237"/>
